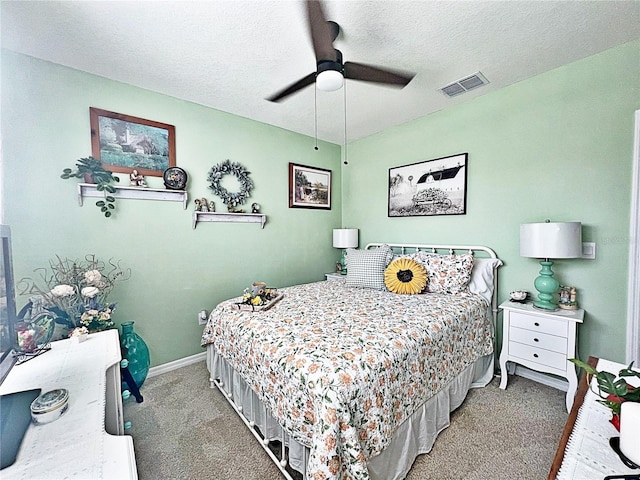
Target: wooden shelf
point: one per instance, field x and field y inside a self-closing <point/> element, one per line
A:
<point x="229" y="217"/>
<point x="140" y="193"/>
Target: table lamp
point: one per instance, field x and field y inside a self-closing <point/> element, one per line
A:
<point x="547" y="241"/>
<point x="344" y="238"/>
<point x="629" y="428"/>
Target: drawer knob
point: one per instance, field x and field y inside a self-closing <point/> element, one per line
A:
<point x="536" y="324"/>
<point x="126" y="394"/>
<point x="536" y="340"/>
<point x="127" y="425"/>
<point x="535" y="355"/>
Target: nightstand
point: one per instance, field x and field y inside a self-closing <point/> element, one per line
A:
<point x="540" y="340"/>
<point x="334" y="276"/>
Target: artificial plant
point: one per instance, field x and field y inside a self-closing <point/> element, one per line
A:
<point x="92" y="170"/>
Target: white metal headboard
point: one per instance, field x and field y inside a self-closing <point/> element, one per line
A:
<point x="479" y="251"/>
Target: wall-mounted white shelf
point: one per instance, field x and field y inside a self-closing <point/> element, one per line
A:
<point x="140" y="193"/>
<point x="229" y="217"/>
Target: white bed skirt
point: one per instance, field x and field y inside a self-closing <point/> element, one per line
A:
<point x="413" y="437"/>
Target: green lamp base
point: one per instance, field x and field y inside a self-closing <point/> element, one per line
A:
<point x="342" y="264"/>
<point x="546" y="286"/>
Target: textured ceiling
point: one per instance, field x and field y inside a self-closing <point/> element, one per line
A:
<point x="232" y="54"/>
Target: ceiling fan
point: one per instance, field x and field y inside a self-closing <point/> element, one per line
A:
<point x="331" y="71"/>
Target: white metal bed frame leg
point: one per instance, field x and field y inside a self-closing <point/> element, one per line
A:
<point x="263" y="441"/>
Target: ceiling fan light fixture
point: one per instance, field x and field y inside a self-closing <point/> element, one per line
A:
<point x="329" y="76"/>
<point x="329" y="80"/>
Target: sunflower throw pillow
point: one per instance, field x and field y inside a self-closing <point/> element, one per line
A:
<point x="405" y="275"/>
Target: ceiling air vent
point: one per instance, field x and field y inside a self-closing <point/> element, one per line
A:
<point x="464" y="85"/>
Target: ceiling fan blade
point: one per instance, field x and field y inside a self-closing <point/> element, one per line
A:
<point x="370" y="73"/>
<point x="321" y="32"/>
<point x="299" y="85"/>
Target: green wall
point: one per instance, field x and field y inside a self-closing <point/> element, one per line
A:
<point x="555" y="146"/>
<point x="176" y="270"/>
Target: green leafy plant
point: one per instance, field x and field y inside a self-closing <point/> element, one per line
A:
<point x="90" y="168"/>
<point x="612" y="389"/>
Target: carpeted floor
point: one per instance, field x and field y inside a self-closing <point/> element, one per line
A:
<point x="185" y="430"/>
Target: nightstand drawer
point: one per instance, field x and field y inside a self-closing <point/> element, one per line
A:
<point x="538" y="355"/>
<point x="334" y="276"/>
<point x="539" y="324"/>
<point x="539" y="340"/>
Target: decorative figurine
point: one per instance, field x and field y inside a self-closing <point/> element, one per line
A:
<point x="212" y="206"/>
<point x="232" y="209"/>
<point x="567" y="298"/>
<point x="197" y="202"/>
<point x="136" y="179"/>
<point x="204" y="206"/>
<point x="255" y="208"/>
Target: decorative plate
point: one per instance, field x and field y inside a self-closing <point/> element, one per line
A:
<point x="175" y="178"/>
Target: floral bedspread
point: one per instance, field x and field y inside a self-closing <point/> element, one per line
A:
<point x="341" y="368"/>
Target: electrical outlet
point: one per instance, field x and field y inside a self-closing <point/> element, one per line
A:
<point x="202" y="317"/>
<point x="589" y="250"/>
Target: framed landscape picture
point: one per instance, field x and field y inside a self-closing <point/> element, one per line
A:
<point x="124" y="143"/>
<point x="309" y="187"/>
<point x="431" y="187"/>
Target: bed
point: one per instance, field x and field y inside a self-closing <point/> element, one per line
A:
<point x="344" y="379"/>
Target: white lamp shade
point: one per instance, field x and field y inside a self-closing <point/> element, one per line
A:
<point x="345" y="237"/>
<point x="630" y="431"/>
<point x="329" y="80"/>
<point x="551" y="240"/>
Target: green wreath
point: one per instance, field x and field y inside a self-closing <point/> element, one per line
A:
<point x="228" y="168"/>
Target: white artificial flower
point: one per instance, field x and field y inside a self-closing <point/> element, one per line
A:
<point x="63" y="291"/>
<point x="92" y="277"/>
<point x="90" y="292"/>
<point x="79" y="331"/>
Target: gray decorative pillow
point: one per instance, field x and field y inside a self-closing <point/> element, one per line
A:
<point x="365" y="268"/>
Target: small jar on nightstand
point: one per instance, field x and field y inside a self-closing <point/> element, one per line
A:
<point x="334" y="276"/>
<point x="541" y="340"/>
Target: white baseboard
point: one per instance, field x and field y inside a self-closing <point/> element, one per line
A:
<point x="181" y="362"/>
<point x="548" y="380"/>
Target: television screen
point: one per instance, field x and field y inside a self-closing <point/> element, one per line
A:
<point x="7" y="304"/>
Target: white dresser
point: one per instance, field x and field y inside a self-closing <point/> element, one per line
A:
<point x="540" y="340"/>
<point x="87" y="442"/>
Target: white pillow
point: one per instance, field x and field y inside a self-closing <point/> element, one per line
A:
<point x="447" y="273"/>
<point x="482" y="277"/>
<point x="365" y="268"/>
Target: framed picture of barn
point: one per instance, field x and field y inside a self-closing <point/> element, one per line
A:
<point x="309" y="187"/>
<point x="431" y="187"/>
<point x="124" y="143"/>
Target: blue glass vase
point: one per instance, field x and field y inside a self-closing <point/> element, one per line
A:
<point x="135" y="350"/>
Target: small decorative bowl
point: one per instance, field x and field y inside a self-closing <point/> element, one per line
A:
<point x="49" y="406"/>
<point x="518" y="295"/>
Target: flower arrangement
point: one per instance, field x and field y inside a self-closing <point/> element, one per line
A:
<point x="76" y="291"/>
<point x="258" y="294"/>
<point x="613" y="389"/>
